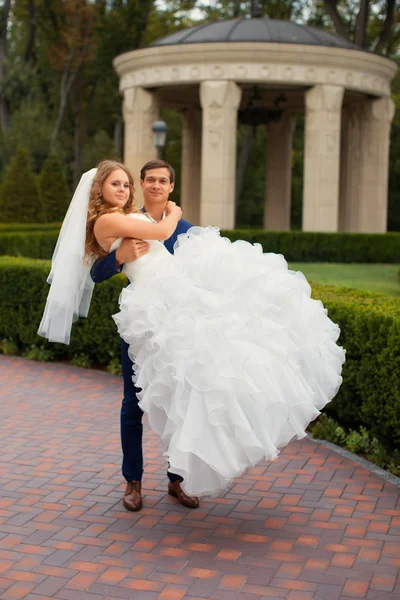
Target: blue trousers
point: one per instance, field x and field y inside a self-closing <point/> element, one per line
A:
<point x="131" y="425"/>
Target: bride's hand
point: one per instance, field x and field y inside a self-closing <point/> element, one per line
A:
<point x="172" y="208"/>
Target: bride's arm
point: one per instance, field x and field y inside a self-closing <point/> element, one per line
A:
<point x="114" y="225"/>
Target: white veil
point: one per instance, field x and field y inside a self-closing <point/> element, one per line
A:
<point x="71" y="286"/>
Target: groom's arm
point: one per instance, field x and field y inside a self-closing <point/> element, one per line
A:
<point x="104" y="268"/>
<point x="183" y="226"/>
<point x="129" y="250"/>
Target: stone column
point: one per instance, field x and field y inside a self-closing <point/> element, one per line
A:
<point x="278" y="173"/>
<point x="365" y="165"/>
<point x="374" y="170"/>
<point x="141" y="109"/>
<point x="220" y="101"/>
<point x="322" y="156"/>
<point x="350" y="164"/>
<point x="191" y="164"/>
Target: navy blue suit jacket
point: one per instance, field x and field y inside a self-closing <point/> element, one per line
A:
<point x="107" y="267"/>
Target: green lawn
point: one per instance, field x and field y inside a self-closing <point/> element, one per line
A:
<point x="374" y="278"/>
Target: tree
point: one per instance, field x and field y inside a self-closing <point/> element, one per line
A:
<point x="394" y="164"/>
<point x="72" y="50"/>
<point x="5" y="116"/>
<point x="53" y="189"/>
<point x="274" y="9"/>
<point x="19" y="193"/>
<point x="371" y="25"/>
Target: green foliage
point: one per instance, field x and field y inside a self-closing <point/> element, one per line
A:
<point x="250" y="208"/>
<point x="296" y="208"/>
<point x="300" y="246"/>
<point x="173" y="148"/>
<point x="8" y="347"/>
<point x="114" y="366"/>
<point x="99" y="147"/>
<point x="19" y="191"/>
<point x="31" y="244"/>
<point x="39" y="353"/>
<point x="30" y="128"/>
<point x="326" y="428"/>
<point x="53" y="189"/>
<point x="172" y="17"/>
<point x="296" y="246"/>
<point x="89" y="129"/>
<point x="370" y="332"/>
<point x="28" y="227"/>
<point x="359" y="442"/>
<point x="81" y="360"/>
<point x="94" y="340"/>
<point x="394" y="162"/>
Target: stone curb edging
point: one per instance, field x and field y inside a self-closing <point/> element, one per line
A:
<point x="366" y="464"/>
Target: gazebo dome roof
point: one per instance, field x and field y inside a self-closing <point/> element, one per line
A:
<point x="256" y="30"/>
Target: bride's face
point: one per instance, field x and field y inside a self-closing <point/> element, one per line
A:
<point x="116" y="189"/>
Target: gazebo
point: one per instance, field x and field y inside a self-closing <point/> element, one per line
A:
<point x="265" y="71"/>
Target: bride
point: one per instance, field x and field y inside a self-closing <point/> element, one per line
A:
<point x="233" y="356"/>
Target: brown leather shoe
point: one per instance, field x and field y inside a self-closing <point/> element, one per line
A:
<point x="132" y="499"/>
<point x="175" y="490"/>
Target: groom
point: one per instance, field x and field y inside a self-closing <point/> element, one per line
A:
<point x="157" y="180"/>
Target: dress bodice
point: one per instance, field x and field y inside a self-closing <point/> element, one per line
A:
<point x="147" y="265"/>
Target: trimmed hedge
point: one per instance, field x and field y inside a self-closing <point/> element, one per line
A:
<point x="28" y="227"/>
<point x="23" y="297"/>
<point x="370" y="324"/>
<point x="370" y="393"/>
<point x="32" y="244"/>
<point x="23" y="201"/>
<point x="302" y="246"/>
<point x="296" y="246"/>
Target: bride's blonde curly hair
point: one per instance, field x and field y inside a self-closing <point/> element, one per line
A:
<point x="97" y="205"/>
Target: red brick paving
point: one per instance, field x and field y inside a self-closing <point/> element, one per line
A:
<point x="310" y="526"/>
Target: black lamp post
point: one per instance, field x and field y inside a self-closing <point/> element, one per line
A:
<point x="159" y="130"/>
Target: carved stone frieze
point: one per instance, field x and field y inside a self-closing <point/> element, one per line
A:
<point x="241" y="62"/>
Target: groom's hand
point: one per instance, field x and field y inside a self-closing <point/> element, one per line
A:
<point x="131" y="249"/>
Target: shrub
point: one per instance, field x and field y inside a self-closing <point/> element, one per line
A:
<point x="326" y="428"/>
<point x="33" y="244"/>
<point x="53" y="189"/>
<point x="358" y="442"/>
<point x="28" y="227"/>
<point x="19" y="191"/>
<point x="294" y="245"/>
<point x="370" y="332"/>
<point x="302" y="246"/>
<point x="24" y="293"/>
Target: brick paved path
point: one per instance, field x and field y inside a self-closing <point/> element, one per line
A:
<point x="311" y="525"/>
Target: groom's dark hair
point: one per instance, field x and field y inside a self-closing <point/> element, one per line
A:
<point x="157" y="164"/>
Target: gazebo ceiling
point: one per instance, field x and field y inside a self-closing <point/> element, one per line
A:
<point x="256" y="30"/>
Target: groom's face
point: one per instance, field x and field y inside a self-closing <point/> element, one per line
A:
<point x="157" y="185"/>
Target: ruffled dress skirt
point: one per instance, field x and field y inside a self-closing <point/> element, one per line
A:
<point x="233" y="357"/>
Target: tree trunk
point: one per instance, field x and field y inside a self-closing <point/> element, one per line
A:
<point x="387" y="26"/>
<point x="331" y="9"/>
<point x="78" y="146"/>
<point x="362" y="24"/>
<point x="31" y="31"/>
<point x="5" y="113"/>
<point x="64" y="90"/>
<point x="119" y="136"/>
<point x="242" y="163"/>
<point x="72" y="68"/>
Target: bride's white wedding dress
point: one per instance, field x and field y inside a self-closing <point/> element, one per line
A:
<point x="233" y="356"/>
